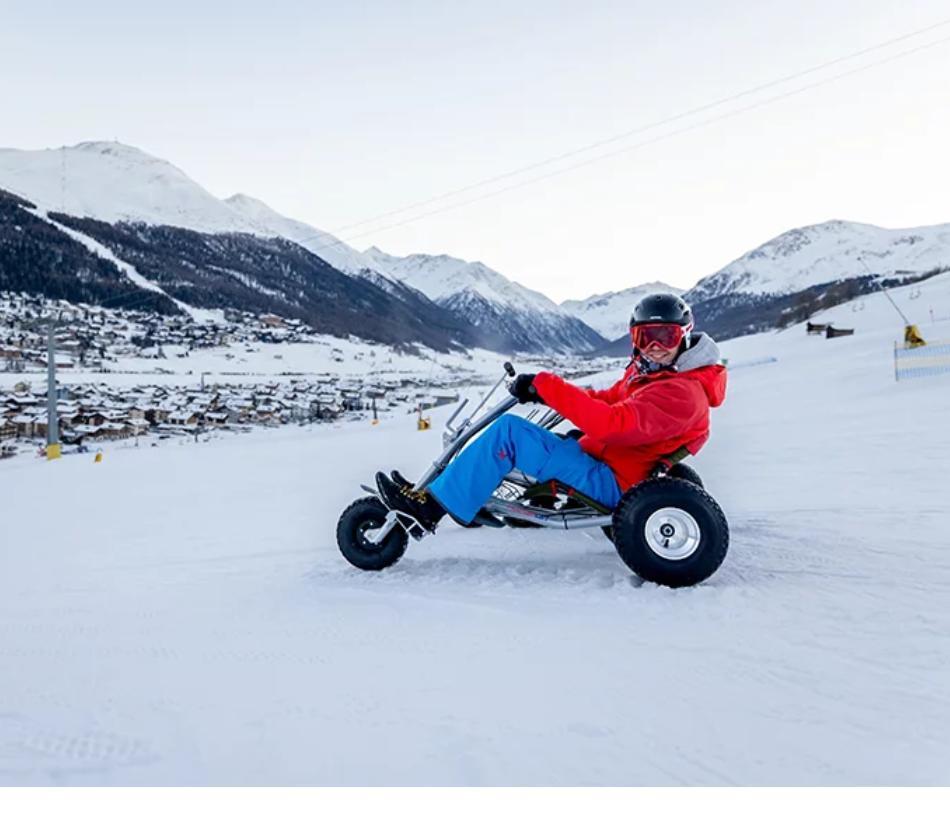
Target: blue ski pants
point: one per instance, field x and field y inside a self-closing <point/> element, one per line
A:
<point x="512" y="442"/>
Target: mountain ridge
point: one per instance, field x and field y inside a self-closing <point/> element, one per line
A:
<point x="513" y="313"/>
<point x="828" y="252"/>
<point x="609" y="312"/>
<point x="117" y="184"/>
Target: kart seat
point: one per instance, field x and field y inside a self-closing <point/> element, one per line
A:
<point x="682" y="452"/>
<point x="554" y="487"/>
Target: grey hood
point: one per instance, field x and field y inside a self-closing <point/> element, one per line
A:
<point x="702" y="352"/>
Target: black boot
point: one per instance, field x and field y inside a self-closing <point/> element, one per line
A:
<point x="404" y="498"/>
<point x="483" y="517"/>
<point x="399" y="479"/>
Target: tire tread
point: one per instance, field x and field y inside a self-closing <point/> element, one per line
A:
<point x="395" y="543"/>
<point x="652" y="568"/>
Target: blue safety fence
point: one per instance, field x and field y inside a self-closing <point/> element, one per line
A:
<point x="916" y="362"/>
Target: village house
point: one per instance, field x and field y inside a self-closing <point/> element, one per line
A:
<point x="105" y="411"/>
<point x="61" y="359"/>
<point x="182" y="418"/>
<point x="216" y="418"/>
<point x="24" y="424"/>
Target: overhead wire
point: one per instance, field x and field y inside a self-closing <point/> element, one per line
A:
<point x="633" y="147"/>
<point x="145" y="294"/>
<point x="648" y="126"/>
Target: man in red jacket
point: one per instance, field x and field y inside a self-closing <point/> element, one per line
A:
<point x="660" y="404"/>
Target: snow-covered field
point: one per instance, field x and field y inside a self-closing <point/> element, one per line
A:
<point x="181" y="615"/>
<point x="265" y="362"/>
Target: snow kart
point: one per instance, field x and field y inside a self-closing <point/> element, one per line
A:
<point x="667" y="529"/>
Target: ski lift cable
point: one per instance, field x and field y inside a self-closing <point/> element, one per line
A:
<point x="887" y="294"/>
<point x="144" y="294"/>
<point x="644" y="127"/>
<point x="633" y="147"/>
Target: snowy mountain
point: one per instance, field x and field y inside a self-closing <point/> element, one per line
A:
<point x="172" y="270"/>
<point x="608" y="313"/>
<point x="826" y="253"/>
<point x="114" y="184"/>
<point x="62" y="210"/>
<point x="514" y="316"/>
<point x="806" y="270"/>
<point x="267" y="221"/>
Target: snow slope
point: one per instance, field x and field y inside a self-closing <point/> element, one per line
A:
<point x="270" y="222"/>
<point x="441" y="276"/>
<point x="114" y="182"/>
<point x="197" y="313"/>
<point x="608" y="313"/>
<point x="822" y="253"/>
<point x="185" y="618"/>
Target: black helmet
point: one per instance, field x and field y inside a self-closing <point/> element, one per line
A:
<point x="662" y="308"/>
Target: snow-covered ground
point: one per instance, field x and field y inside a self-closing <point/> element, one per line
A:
<point x="182" y="615"/>
<point x="264" y="362"/>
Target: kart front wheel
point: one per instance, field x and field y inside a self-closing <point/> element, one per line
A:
<point x="671" y="532"/>
<point x="365" y="515"/>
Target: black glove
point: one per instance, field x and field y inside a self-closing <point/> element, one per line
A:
<point x="523" y="389"/>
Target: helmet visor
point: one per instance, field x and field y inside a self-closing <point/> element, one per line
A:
<point x="668" y="336"/>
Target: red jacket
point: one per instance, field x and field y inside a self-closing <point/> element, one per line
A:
<point x="642" y="418"/>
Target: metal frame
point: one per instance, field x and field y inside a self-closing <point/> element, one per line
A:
<point x="455" y="438"/>
<point x="564" y="520"/>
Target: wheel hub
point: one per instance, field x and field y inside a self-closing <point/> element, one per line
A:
<point x="367" y="532"/>
<point x="672" y="533"/>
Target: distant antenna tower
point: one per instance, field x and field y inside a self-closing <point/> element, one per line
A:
<point x="62" y="179"/>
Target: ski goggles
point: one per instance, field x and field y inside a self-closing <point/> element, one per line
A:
<point x="668" y="336"/>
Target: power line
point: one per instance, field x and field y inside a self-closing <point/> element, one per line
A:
<point x="649" y="142"/>
<point x="144" y="294"/>
<point x="643" y="128"/>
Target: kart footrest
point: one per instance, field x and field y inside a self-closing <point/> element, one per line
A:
<point x="554" y="487"/>
<point x="487" y="519"/>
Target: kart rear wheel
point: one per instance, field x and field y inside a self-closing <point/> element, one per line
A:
<point x="356" y="521"/>
<point x="686" y="473"/>
<point x="678" y="471"/>
<point x="671" y="532"/>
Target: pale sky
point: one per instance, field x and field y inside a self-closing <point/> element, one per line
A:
<point x="335" y="113"/>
